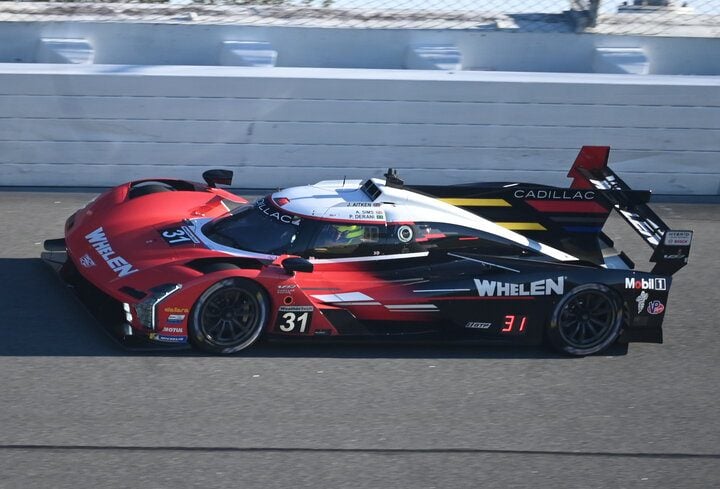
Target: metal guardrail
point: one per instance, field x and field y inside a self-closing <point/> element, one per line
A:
<point x="696" y="18"/>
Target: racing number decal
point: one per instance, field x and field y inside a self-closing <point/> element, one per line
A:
<point x="291" y="318"/>
<point x="294" y="319"/>
<point x="178" y="235"/>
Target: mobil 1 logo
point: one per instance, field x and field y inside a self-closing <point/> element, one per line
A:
<point x="646" y="283"/>
<point x="294" y="320"/>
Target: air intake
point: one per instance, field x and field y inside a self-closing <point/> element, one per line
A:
<point x="371" y="190"/>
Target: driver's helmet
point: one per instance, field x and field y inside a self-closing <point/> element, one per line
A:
<point x="349" y="233"/>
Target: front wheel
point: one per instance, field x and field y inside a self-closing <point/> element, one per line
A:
<point x="229" y="316"/>
<point x="586" y="321"/>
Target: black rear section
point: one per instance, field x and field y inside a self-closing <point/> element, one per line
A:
<point x="571" y="219"/>
<point x="567" y="219"/>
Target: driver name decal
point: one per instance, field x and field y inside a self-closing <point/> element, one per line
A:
<point x="490" y="288"/>
<point x="118" y="264"/>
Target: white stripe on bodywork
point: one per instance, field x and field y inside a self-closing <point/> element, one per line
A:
<point x="410" y="306"/>
<point x="342" y="298"/>
<point x="430" y="291"/>
<point x="369" y="258"/>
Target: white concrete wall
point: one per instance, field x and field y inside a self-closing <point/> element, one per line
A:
<point x="178" y="44"/>
<point x="102" y="124"/>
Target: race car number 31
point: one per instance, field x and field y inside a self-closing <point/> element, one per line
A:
<point x="294" y="320"/>
<point x="178" y="236"/>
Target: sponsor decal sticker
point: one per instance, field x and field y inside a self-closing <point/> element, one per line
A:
<point x="489" y="288"/>
<point x="86" y="261"/>
<point x="555" y="194"/>
<point x="286" y="289"/>
<point x="168" y="339"/>
<point x="117" y="264"/>
<point x="270" y="211"/>
<point x="646" y="283"/>
<point x="641" y="300"/>
<point x="677" y="238"/>
<point x="176" y="318"/>
<point x="295" y="309"/>
<point x="168" y="329"/>
<point x="476" y="325"/>
<point x="655" y="307"/>
<point x="674" y="257"/>
<point x="177" y="310"/>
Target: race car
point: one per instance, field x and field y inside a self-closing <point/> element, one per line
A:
<point x="178" y="262"/>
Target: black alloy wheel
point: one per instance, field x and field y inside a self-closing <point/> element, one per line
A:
<point x="229" y="316"/>
<point x="586" y="321"/>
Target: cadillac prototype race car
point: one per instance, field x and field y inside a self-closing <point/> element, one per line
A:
<point x="172" y="261"/>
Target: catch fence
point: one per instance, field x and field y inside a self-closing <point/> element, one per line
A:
<point x="696" y="18"/>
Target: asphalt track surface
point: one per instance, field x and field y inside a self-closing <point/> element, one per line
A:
<point x="78" y="411"/>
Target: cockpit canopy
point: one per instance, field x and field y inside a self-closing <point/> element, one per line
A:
<point x="266" y="228"/>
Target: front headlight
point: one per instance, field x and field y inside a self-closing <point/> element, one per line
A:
<point x="128" y="315"/>
<point x="146" y="309"/>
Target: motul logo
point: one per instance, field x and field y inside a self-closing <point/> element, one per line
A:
<point x="487" y="288"/>
<point x="646" y="283"/>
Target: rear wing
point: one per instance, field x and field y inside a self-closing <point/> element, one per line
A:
<point x="671" y="248"/>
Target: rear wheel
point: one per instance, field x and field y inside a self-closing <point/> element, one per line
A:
<point x="586" y="321"/>
<point x="229" y="316"/>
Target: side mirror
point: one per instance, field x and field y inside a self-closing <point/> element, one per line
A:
<point x="218" y="177"/>
<point x="297" y="264"/>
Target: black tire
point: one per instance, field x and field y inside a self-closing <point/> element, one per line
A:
<point x="229" y="316"/>
<point x="587" y="320"/>
<point x="147" y="188"/>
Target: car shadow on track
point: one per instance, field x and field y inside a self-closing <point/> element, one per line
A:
<point x="39" y="316"/>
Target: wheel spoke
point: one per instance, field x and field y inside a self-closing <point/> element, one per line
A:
<point x="567" y="314"/>
<point x="212" y="329"/>
<point x="602" y="324"/>
<point x="238" y="327"/>
<point x="591" y="328"/>
<point x="605" y="309"/>
<point x="597" y="304"/>
<point x="575" y="331"/>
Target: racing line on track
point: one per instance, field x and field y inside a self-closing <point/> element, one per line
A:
<point x="126" y="448"/>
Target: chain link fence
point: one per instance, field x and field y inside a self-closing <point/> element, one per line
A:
<point x="696" y="18"/>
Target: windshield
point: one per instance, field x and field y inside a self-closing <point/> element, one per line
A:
<point x="251" y="228"/>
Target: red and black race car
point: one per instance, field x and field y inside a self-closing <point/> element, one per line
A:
<point x="173" y="261"/>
